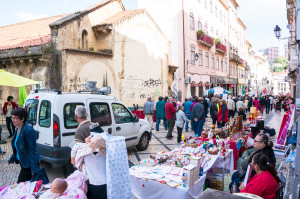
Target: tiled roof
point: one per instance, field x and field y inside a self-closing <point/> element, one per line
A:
<point x="29" y="33"/>
<point x="120" y="16"/>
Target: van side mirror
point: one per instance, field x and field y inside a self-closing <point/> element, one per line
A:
<point x="135" y="119"/>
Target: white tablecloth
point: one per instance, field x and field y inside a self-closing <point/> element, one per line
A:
<point x="150" y="189"/>
<point x="220" y="161"/>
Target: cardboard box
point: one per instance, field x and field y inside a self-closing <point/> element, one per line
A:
<point x="188" y="176"/>
<point x="196" y="161"/>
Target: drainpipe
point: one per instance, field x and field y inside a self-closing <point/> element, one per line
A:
<point x="183" y="38"/>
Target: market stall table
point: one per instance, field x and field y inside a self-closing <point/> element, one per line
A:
<point x="150" y="189"/>
<point x="140" y="114"/>
<point x="232" y="145"/>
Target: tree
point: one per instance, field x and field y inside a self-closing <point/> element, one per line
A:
<point x="282" y="60"/>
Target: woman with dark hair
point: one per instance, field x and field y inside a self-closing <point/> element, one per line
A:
<point x="265" y="182"/>
<point x="223" y="114"/>
<point x="24" y="146"/>
<point x="8" y="107"/>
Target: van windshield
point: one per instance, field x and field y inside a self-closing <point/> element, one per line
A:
<point x="32" y="107"/>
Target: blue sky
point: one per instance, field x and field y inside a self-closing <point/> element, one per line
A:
<point x="260" y="16"/>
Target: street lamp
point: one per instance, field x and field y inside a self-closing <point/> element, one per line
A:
<point x="196" y="56"/>
<point x="277" y="31"/>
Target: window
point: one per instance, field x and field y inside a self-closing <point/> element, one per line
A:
<point x="199" y="1"/>
<point x="217" y="62"/>
<point x="192" y="23"/>
<point x="205" y="3"/>
<point x="121" y="114"/>
<point x="206" y="59"/>
<point x="206" y="28"/>
<point x="192" y="55"/>
<point x="211" y="6"/>
<point x="199" y="25"/>
<point x="221" y="64"/>
<point x="100" y="113"/>
<point x="45" y="114"/>
<point x="84" y="40"/>
<point x="225" y="66"/>
<point x="69" y="115"/>
<point x="31" y="106"/>
<point x="224" y="19"/>
<point x="200" y="57"/>
<point x="216" y="11"/>
<point x="212" y="60"/>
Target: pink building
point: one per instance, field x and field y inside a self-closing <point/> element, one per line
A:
<point x="199" y="33"/>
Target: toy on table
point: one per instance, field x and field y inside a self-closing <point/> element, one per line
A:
<point x="190" y="142"/>
<point x="240" y="143"/>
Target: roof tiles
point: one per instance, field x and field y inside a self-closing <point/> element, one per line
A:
<point x="29" y="33"/>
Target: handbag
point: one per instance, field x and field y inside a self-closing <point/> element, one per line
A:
<point x="40" y="175"/>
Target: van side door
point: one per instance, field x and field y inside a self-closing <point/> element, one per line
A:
<point x="101" y="113"/>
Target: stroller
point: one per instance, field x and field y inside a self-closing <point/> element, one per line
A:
<point x="278" y="106"/>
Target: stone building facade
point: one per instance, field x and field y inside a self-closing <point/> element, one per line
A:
<point x="122" y="49"/>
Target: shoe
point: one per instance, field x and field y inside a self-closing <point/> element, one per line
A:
<point x="157" y="130"/>
<point x="169" y="137"/>
<point x="2" y="153"/>
<point x="9" y="136"/>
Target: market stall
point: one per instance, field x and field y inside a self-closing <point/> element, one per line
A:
<point x="140" y="114"/>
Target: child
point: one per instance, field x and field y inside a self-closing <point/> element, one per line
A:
<point x="57" y="188"/>
<point x="241" y="112"/>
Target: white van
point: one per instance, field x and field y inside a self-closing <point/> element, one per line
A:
<point x="52" y="115"/>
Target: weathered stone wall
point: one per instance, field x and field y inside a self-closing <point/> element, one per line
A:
<point x="137" y="69"/>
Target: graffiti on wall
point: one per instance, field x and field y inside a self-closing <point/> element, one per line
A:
<point x="77" y="83"/>
<point x="135" y="87"/>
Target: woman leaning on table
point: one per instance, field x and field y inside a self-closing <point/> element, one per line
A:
<point x="24" y="146"/>
<point x="265" y="182"/>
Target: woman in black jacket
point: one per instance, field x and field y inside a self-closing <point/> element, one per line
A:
<point x="214" y="111"/>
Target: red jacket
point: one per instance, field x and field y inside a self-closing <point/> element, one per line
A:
<point x="223" y="110"/>
<point x="170" y="111"/>
<point x="263" y="185"/>
<point x="14" y="106"/>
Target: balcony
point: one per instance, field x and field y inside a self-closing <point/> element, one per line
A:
<point x="220" y="48"/>
<point x="234" y="57"/>
<point x="205" y="40"/>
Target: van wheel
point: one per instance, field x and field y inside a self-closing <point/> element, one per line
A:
<point x="68" y="169"/>
<point x="144" y="142"/>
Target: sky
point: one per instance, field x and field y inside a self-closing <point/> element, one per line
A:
<point x="260" y="16"/>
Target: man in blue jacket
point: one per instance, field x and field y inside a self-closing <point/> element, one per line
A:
<point x="188" y="114"/>
<point x="198" y="115"/>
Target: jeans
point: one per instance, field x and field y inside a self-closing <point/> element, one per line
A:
<point x="171" y="124"/>
<point x="25" y="175"/>
<point x="179" y="133"/>
<point x="199" y="127"/>
<point x="236" y="178"/>
<point x="188" y="116"/>
<point x="271" y="106"/>
<point x="267" y="109"/>
<point x="158" y="122"/>
<point x="10" y="124"/>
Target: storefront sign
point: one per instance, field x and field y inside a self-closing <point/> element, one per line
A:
<point x="231" y="85"/>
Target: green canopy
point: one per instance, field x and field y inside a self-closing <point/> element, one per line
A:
<point x="22" y="95"/>
<point x="10" y="79"/>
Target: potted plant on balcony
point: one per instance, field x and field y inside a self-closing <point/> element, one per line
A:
<point x="200" y="33"/>
<point x="217" y="41"/>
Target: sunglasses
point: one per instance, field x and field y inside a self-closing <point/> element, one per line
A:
<point x="257" y="141"/>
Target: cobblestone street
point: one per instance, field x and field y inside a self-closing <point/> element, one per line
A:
<point x="9" y="173"/>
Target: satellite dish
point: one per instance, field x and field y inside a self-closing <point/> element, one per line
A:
<point x="91" y="85"/>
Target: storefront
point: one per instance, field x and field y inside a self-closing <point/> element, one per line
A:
<point x="226" y="83"/>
